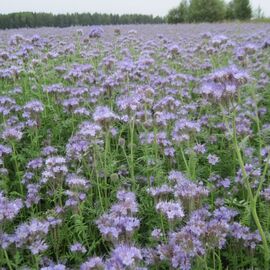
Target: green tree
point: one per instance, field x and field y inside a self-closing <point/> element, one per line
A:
<point x="30" y="19"/>
<point x="173" y="16"/>
<point x="230" y="13"/>
<point x="242" y="9"/>
<point x="179" y="14"/>
<point x="206" y="10"/>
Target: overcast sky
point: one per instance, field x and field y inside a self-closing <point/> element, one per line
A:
<point x="155" y="7"/>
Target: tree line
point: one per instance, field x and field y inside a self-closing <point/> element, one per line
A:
<point x="209" y="11"/>
<point x="33" y="19"/>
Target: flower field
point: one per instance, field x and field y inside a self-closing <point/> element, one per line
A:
<point x="135" y="147"/>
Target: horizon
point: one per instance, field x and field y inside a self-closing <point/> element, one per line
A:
<point x="120" y="7"/>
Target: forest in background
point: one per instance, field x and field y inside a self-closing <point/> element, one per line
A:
<point x="188" y="11"/>
<point x="33" y="19"/>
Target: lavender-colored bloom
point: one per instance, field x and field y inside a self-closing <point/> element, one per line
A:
<point x="77" y="247"/>
<point x="74" y="198"/>
<point x="113" y="226"/>
<point x="103" y="115"/>
<point x="222" y="84"/>
<point x="54" y="267"/>
<point x="161" y="191"/>
<point x="38" y="246"/>
<point x="213" y="159"/>
<point x="33" y="196"/>
<point x="172" y="210"/>
<point x="94" y="263"/>
<point x="186" y="189"/>
<point x="5" y="150"/>
<point x="54" y="89"/>
<point x="125" y="256"/>
<point x="35" y="164"/>
<point x="55" y="168"/>
<point x="9" y="209"/>
<point x="28" y="233"/>
<point x="127" y="203"/>
<point x="119" y="222"/>
<point x="48" y="151"/>
<point x="89" y="130"/>
<point x="157" y="234"/>
<point x="12" y="133"/>
<point x="82" y="111"/>
<point x="266" y="194"/>
<point x="95" y="32"/>
<point x="54" y="221"/>
<point x="199" y="148"/>
<point x="184" y="128"/>
<point x="33" y="107"/>
<point x="76" y="182"/>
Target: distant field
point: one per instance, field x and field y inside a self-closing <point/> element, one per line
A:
<point x="135" y="147"/>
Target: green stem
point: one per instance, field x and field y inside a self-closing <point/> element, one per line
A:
<point x="252" y="199"/>
<point x="17" y="175"/>
<point x="132" y="151"/>
<point x="185" y="161"/>
<point x="7" y="260"/>
<point x="98" y="182"/>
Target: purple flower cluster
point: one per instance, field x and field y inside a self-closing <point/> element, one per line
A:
<point x="9" y="209"/>
<point x="222" y="85"/>
<point x="119" y="223"/>
<point x="55" y="169"/>
<point x="95" y="32"/>
<point x="172" y="210"/>
<point x="78" y="186"/>
<point x="87" y="136"/>
<point x="171" y="117"/>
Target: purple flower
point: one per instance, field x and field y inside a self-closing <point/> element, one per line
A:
<point x="161" y="191"/>
<point x="54" y="267"/>
<point x="157" y="234"/>
<point x="94" y="263"/>
<point x="103" y="115"/>
<point x="172" y="210"/>
<point x="186" y="189"/>
<point x="35" y="164"/>
<point x="76" y="182"/>
<point x="33" y="107"/>
<point x="77" y="247"/>
<point x="33" y="196"/>
<point x="38" y="246"/>
<point x="9" y="209"/>
<point x="199" y="148"/>
<point x="55" y="168"/>
<point x="266" y="194"/>
<point x="12" y="133"/>
<point x="125" y="256"/>
<point x="213" y="159"/>
<point x="48" y="151"/>
<point x="184" y="128"/>
<point x="95" y="32"/>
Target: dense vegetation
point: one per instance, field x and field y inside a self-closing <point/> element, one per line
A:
<point x="135" y="148"/>
<point x="210" y="11"/>
<point x="188" y="11"/>
<point x="32" y="19"/>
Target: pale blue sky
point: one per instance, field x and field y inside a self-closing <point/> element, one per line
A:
<point x="155" y="7"/>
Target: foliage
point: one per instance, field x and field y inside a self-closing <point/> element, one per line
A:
<point x="32" y="19"/>
<point x="211" y="11"/>
<point x="206" y="10"/>
<point x="242" y="9"/>
<point x="135" y="147"/>
<point x="179" y="14"/>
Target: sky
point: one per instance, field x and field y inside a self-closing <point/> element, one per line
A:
<point x="155" y="7"/>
